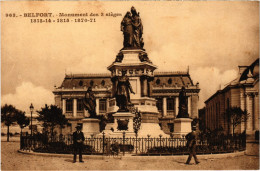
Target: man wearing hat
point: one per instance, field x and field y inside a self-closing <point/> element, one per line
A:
<point x="191" y="144"/>
<point x="78" y="139"/>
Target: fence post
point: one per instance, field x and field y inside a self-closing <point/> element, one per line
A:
<point x="21" y="141"/>
<point x="103" y="143"/>
<point x="160" y="143"/>
<point x="123" y="143"/>
<point x="148" y="144"/>
<point x="136" y="143"/>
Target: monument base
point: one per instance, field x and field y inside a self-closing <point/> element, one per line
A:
<point x="90" y="126"/>
<point x="123" y="123"/>
<point x="152" y="130"/>
<point x="182" y="126"/>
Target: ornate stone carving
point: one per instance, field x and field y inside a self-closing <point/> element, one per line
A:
<point x="122" y="124"/>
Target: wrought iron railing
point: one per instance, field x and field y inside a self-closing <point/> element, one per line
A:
<point x="135" y="145"/>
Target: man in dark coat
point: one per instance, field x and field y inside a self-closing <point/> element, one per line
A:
<point x="78" y="139"/>
<point x="191" y="144"/>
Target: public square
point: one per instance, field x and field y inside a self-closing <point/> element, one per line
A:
<point x="13" y="160"/>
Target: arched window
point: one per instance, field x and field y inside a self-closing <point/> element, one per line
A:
<point x="158" y="81"/>
<point x="91" y="83"/>
<point x="103" y="82"/>
<point x="170" y="81"/>
<point x="80" y="83"/>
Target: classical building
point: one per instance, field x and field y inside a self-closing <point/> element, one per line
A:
<point x="241" y="92"/>
<point x="165" y="88"/>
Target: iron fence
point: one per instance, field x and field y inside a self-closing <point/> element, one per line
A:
<point x="136" y="145"/>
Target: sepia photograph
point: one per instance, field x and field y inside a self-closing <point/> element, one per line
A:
<point x="129" y="85"/>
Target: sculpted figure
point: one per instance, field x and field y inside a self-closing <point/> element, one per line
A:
<point x="122" y="93"/>
<point x="132" y="28"/>
<point x="90" y="103"/>
<point x="127" y="28"/>
<point x="138" y="29"/>
<point x="183" y="104"/>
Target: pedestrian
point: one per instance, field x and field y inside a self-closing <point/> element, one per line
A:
<point x="191" y="144"/>
<point x="78" y="140"/>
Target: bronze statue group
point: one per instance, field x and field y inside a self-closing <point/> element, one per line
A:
<point x="132" y="28"/>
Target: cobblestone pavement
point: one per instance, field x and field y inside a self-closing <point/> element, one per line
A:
<point x="12" y="160"/>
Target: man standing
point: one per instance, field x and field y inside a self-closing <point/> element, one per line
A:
<point x="191" y="144"/>
<point x="78" y="139"/>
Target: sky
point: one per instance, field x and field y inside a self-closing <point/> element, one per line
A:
<point x="211" y="38"/>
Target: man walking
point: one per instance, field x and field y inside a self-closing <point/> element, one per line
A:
<point x="78" y="139"/>
<point x="191" y="144"/>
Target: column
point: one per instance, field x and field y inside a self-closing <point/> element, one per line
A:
<point x="74" y="107"/>
<point x="107" y="105"/>
<point x="97" y="106"/>
<point x="63" y="106"/>
<point x="256" y="114"/>
<point x="176" y="106"/>
<point x="249" y="110"/>
<point x="189" y="106"/>
<point x="164" y="106"/>
<point x="242" y="106"/>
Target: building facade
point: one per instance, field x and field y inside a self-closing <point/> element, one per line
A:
<point x="242" y="92"/>
<point x="165" y="88"/>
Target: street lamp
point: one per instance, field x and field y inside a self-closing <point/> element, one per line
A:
<point x="31" y="109"/>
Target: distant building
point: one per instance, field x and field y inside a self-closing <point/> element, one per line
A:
<point x="242" y="92"/>
<point x="165" y="88"/>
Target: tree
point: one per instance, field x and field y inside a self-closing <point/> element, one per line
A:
<point x="51" y="116"/>
<point x="62" y="120"/>
<point x="8" y="116"/>
<point x="22" y="120"/>
<point x="235" y="116"/>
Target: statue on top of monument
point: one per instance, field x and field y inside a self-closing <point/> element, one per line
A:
<point x="132" y="28"/>
<point x="90" y="103"/>
<point x="122" y="93"/>
<point x="183" y="104"/>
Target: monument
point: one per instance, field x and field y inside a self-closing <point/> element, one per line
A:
<point x="131" y="74"/>
<point x="90" y="124"/>
<point x="182" y="124"/>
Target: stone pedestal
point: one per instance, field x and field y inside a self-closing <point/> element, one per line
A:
<point x="121" y="118"/>
<point x="123" y="122"/>
<point x="90" y="126"/>
<point x="182" y="126"/>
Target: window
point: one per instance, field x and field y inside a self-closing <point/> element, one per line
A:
<point x="228" y="105"/>
<point x="69" y="105"/>
<point x="80" y="106"/>
<point x="102" y="106"/>
<point x="170" y="104"/>
<point x="80" y="83"/>
<point x="159" y="104"/>
<point x="170" y="81"/>
<point x="103" y="82"/>
<point x="91" y="83"/>
<point x="158" y="81"/>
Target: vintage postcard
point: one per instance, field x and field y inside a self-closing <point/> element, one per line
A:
<point x="129" y="85"/>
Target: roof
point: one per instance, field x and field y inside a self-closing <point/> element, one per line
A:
<point x="104" y="79"/>
<point x="252" y="69"/>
